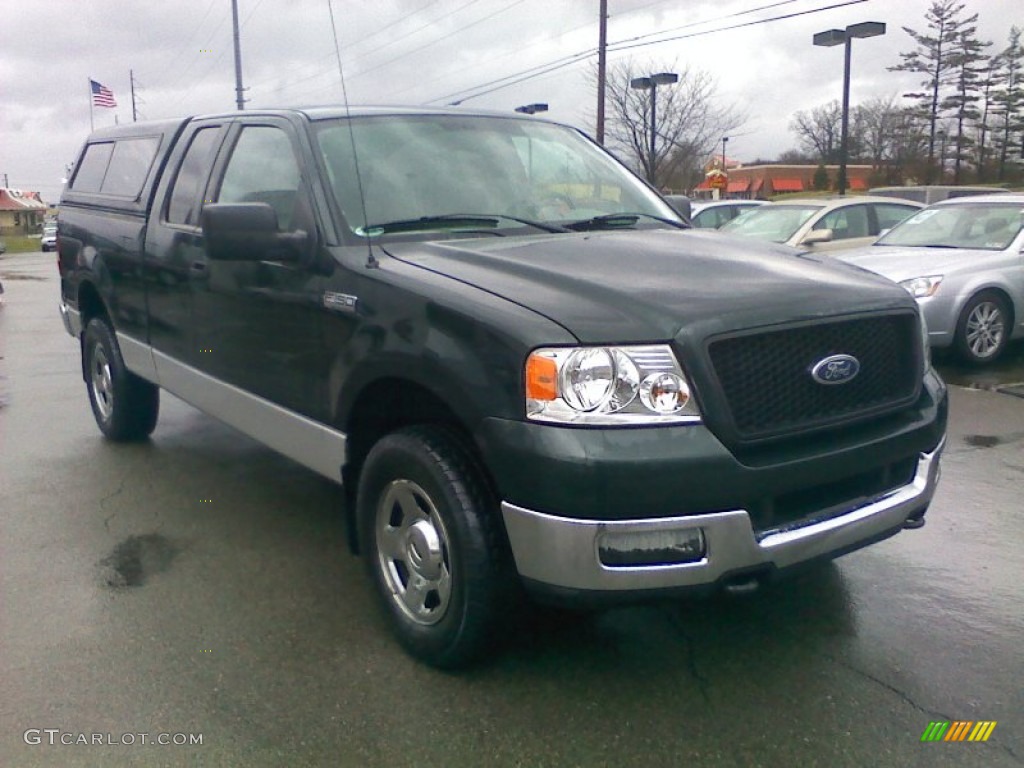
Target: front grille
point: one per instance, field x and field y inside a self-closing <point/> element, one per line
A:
<point x="767" y="383"/>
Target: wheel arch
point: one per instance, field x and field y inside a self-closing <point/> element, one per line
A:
<point x="90" y="305"/>
<point x="975" y="290"/>
<point x="384" y="405"/>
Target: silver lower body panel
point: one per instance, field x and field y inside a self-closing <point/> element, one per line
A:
<point x="563" y="552"/>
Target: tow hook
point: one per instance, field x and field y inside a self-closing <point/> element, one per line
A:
<point x="915" y="521"/>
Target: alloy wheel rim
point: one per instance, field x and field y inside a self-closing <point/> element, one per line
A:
<point x="985" y="329"/>
<point x="413" y="552"/>
<point x="102" y="384"/>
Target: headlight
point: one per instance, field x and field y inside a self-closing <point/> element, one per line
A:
<point x="922" y="287"/>
<point x="608" y="385"/>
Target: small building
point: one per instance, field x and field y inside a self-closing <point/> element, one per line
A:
<point x="764" y="181"/>
<point x="21" y="212"/>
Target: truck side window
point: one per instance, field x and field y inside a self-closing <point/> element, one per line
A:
<point x="184" y="204"/>
<point x="263" y="169"/>
<point x="129" y="166"/>
<point x="92" y="167"/>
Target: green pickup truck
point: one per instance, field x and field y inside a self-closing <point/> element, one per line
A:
<point x="531" y="377"/>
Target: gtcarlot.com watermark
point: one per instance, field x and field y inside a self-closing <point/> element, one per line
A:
<point x="55" y="736"/>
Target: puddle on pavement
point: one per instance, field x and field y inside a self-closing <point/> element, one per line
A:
<point x="17" y="276"/>
<point x="137" y="558"/>
<point x="1005" y="375"/>
<point x="982" y="441"/>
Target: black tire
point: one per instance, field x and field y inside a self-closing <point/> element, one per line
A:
<point x="984" y="328"/>
<point x="427" y="518"/>
<point x="125" y="406"/>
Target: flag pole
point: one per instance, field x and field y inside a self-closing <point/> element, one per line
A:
<point x="92" y="127"/>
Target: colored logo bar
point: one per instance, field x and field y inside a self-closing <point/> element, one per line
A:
<point x="958" y="730"/>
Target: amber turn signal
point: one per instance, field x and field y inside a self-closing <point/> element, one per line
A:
<point x="541" y="373"/>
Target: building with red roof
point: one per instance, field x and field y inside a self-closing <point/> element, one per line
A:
<point x="21" y="212"/>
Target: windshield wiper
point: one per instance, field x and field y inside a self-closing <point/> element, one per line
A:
<point x="620" y="221"/>
<point x="476" y="222"/>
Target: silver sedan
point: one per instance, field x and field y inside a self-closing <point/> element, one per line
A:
<point x="963" y="260"/>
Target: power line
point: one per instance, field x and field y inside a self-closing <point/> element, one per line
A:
<point x="620" y="47"/>
<point x="182" y="72"/>
<point x="429" y="43"/>
<point x="195" y="31"/>
<point x="443" y="37"/>
<point x="426" y="25"/>
<point x="516" y="77"/>
<point x="707" y="21"/>
<point x="525" y="75"/>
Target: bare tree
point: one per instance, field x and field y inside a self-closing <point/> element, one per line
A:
<point x="818" y="131"/>
<point x="690" y="121"/>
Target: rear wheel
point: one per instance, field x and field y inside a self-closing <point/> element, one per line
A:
<point x="983" y="329"/>
<point x="125" y="406"/>
<point x="434" y="545"/>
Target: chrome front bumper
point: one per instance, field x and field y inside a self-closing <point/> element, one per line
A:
<point x="563" y="552"/>
<point x="72" y="320"/>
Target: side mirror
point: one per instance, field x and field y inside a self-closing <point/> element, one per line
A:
<point x="817" y="236"/>
<point x="248" y="232"/>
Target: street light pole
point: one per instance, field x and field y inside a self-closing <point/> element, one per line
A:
<point x="724" y="140"/>
<point x="651" y="83"/>
<point x="845" y="37"/>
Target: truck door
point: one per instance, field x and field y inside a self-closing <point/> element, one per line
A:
<point x="257" y="324"/>
<point x="174" y="241"/>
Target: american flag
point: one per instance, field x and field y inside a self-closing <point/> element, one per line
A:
<point x="101" y="95"/>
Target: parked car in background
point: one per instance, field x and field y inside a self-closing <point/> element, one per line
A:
<point x="824" y="223"/>
<point x="681" y="204"/>
<point x="963" y="260"/>
<point x="712" y="214"/>
<point x="49" y="239"/>
<point x="932" y="193"/>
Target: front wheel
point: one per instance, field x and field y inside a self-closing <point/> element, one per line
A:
<point x="983" y="329"/>
<point x="125" y="406"/>
<point x="434" y="546"/>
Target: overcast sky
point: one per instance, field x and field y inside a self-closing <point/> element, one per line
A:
<point x="427" y="52"/>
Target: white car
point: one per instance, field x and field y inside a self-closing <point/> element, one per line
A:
<point x="823" y="223"/>
<point x="49" y="239"/>
<point x="963" y="260"/>
<point x="714" y="213"/>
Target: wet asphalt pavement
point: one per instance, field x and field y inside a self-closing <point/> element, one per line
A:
<point x="199" y="584"/>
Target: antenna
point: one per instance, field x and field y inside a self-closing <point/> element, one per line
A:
<point x="371" y="259"/>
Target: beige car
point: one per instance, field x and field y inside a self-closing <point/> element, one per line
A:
<point x="823" y="224"/>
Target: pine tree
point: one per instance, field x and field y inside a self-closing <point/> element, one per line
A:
<point x="1008" y="110"/>
<point x="934" y="58"/>
<point x="969" y="63"/>
<point x="991" y="83"/>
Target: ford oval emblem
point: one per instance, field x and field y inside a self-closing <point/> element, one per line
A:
<point x="836" y="369"/>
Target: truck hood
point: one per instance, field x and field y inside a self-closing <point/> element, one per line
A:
<point x="902" y="263"/>
<point x="607" y="287"/>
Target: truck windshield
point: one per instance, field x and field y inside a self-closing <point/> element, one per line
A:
<point x="432" y="168"/>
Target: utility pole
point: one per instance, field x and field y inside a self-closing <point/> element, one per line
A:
<point x="239" y="90"/>
<point x="602" y="46"/>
